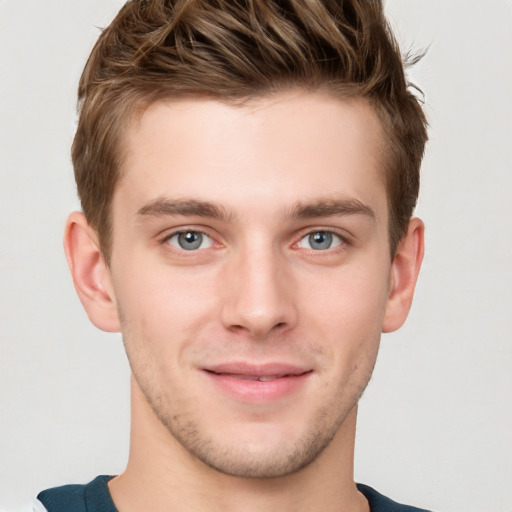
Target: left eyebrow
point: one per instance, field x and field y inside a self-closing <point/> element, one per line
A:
<point x="187" y="207"/>
<point x="331" y="208"/>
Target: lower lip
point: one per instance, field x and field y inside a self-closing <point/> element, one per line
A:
<point x="256" y="391"/>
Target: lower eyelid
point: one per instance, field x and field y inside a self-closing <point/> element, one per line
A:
<point x="338" y="239"/>
<point x="169" y="239"/>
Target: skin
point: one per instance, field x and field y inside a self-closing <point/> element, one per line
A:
<point x="252" y="185"/>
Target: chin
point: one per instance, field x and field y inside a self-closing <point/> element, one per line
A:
<point x="257" y="451"/>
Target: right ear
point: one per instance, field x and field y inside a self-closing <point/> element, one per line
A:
<point x="90" y="273"/>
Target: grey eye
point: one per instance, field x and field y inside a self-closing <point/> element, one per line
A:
<point x="190" y="240"/>
<point x="320" y="240"/>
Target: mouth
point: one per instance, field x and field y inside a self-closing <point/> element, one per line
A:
<point x="260" y="378"/>
<point x="258" y="383"/>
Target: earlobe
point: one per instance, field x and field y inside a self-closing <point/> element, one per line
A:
<point x="404" y="274"/>
<point x="90" y="273"/>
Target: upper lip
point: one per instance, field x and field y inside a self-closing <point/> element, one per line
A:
<point x="244" y="369"/>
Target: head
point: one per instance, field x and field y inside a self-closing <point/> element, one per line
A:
<point x="246" y="169"/>
<point x="235" y="51"/>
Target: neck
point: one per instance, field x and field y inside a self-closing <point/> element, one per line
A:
<point x="162" y="475"/>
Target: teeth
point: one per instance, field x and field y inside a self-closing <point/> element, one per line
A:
<point x="245" y="377"/>
<point x="261" y="378"/>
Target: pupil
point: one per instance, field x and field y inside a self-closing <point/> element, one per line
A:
<point x="190" y="240"/>
<point x="320" y="240"/>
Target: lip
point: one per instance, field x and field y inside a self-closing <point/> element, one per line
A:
<point x="258" y="383"/>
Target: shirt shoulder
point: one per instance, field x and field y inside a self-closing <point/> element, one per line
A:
<point x="95" y="497"/>
<point x="380" y="503"/>
<point x="92" y="497"/>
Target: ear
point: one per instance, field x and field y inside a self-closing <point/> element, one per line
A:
<point x="91" y="275"/>
<point x="404" y="274"/>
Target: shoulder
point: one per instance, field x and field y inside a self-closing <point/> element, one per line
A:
<point x="380" y="503"/>
<point x="91" y="497"/>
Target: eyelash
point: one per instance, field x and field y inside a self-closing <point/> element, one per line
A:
<point x="342" y="245"/>
<point x="344" y="241"/>
<point x="166" y="239"/>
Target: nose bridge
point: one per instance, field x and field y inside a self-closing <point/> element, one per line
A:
<point x="258" y="290"/>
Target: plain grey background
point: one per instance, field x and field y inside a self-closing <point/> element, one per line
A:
<point x="435" y="424"/>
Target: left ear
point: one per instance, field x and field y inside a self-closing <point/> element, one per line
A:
<point x="404" y="274"/>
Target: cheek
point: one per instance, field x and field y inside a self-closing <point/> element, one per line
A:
<point x="163" y="307"/>
<point x="348" y="311"/>
<point x="353" y="295"/>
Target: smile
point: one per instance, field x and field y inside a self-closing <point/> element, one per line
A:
<point x="258" y="384"/>
<point x="260" y="378"/>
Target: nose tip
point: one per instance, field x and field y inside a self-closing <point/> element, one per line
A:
<point x="258" y="326"/>
<point x="258" y="300"/>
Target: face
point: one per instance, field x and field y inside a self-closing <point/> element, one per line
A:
<point x="251" y="272"/>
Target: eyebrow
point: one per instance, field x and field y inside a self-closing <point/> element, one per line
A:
<point x="188" y="207"/>
<point x="328" y="207"/>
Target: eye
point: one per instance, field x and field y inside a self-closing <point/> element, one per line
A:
<point x="320" y="240"/>
<point x="190" y="240"/>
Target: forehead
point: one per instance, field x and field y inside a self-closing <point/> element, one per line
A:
<point x="272" y="152"/>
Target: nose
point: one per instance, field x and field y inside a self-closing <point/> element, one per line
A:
<point x="258" y="294"/>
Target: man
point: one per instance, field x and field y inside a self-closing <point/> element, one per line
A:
<point x="248" y="172"/>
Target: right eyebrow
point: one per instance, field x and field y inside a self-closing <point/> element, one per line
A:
<point x="188" y="207"/>
<point x="330" y="207"/>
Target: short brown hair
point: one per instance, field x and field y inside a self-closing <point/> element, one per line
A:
<point x="240" y="49"/>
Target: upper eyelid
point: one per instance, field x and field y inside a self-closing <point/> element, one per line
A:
<point x="164" y="238"/>
<point x="181" y="231"/>
<point x="169" y="233"/>
<point x="166" y="234"/>
<point x="169" y="240"/>
<point x="341" y="233"/>
<point x="343" y="240"/>
<point x="180" y="252"/>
